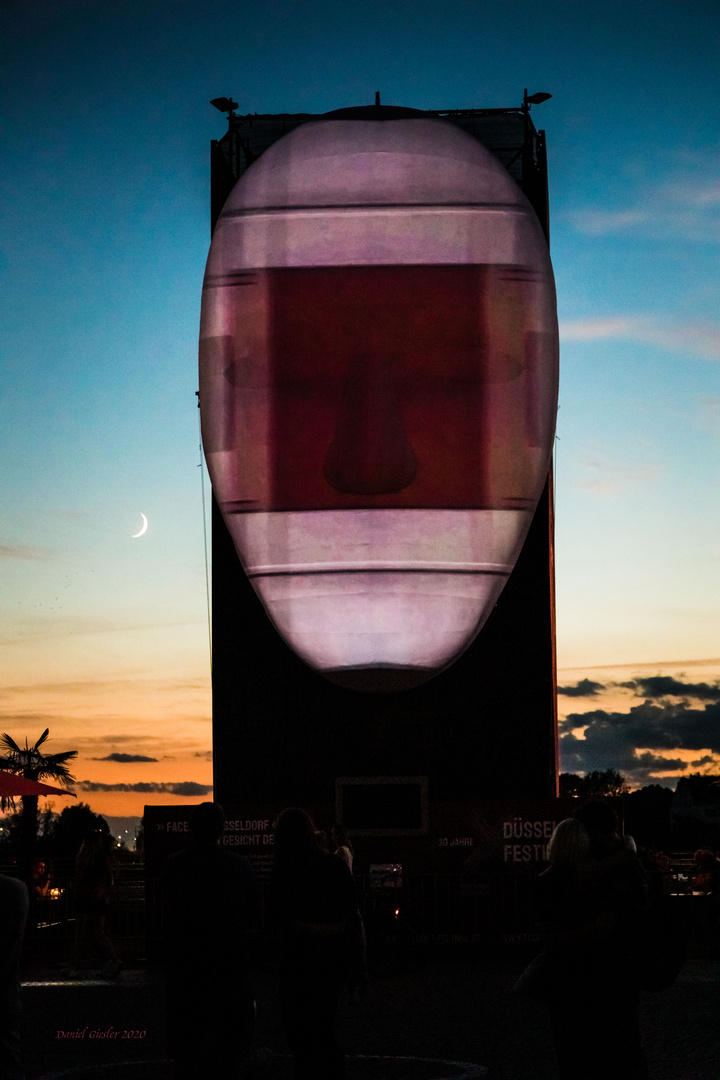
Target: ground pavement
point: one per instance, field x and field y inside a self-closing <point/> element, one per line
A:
<point x="451" y="1015"/>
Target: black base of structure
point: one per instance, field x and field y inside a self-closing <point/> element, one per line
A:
<point x="482" y="729"/>
<point x="486" y="728"/>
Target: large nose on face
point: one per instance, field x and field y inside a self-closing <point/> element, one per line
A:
<point x="370" y="453"/>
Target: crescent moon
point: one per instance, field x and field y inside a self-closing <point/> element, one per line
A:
<point x="143" y="529"/>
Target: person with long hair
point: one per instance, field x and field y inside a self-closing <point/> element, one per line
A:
<point x="93" y="882"/>
<point x="323" y="945"/>
<point x="581" y="974"/>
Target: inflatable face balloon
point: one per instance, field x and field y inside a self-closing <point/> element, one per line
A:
<point x="378" y="389"/>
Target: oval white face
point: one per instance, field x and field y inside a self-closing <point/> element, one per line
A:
<point x="378" y="389"/>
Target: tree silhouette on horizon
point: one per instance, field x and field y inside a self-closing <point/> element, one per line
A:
<point x="33" y="765"/>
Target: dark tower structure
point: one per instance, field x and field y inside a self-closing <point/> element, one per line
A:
<point x="486" y="728"/>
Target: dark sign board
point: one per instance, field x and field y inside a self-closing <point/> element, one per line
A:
<point x="508" y="836"/>
<point x="469" y="878"/>
<point x="382" y="805"/>
<point x="167" y="830"/>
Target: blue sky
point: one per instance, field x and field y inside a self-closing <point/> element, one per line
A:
<point x="104" y="239"/>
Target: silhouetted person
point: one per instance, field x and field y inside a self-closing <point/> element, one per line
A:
<point x="581" y="974"/>
<point x="13" y="916"/>
<point x="40" y="878"/>
<point x="706" y="874"/>
<point x="343" y="847"/>
<point x="314" y="902"/>
<point x="706" y="880"/>
<point x="209" y="907"/>
<point x="622" y="892"/>
<point x="93" y="881"/>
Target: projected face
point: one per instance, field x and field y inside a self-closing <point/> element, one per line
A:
<point x="378" y="432"/>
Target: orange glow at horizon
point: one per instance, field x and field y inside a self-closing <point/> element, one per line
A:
<point x="114" y="723"/>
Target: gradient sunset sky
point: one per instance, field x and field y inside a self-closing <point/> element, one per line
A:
<point x="105" y="234"/>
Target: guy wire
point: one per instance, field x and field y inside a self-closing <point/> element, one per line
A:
<point x="204" y="514"/>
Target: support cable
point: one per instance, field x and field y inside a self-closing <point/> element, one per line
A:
<point x="201" y="467"/>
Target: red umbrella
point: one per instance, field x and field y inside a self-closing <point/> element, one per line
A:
<point x="14" y="784"/>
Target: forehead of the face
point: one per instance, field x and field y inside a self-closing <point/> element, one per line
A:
<point x="402" y="162"/>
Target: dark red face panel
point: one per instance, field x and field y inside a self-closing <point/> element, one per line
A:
<point x="382" y="387"/>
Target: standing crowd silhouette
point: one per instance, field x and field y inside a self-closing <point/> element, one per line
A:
<point x="606" y="936"/>
<point x="211" y="920"/>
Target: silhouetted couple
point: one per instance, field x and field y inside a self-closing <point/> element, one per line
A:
<point x="314" y="904"/>
<point x="210" y="904"/>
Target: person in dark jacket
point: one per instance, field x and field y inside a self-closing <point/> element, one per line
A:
<point x="210" y="907"/>
<point x="93" y="882"/>
<point x="14" y="903"/>
<point x="621" y="891"/>
<point x="323" y="945"/>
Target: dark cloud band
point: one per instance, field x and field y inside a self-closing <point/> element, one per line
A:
<point x="585" y="688"/>
<point x="661" y="686"/>
<point x="185" y="787"/>
<point x="611" y="739"/>
<point x="125" y="758"/>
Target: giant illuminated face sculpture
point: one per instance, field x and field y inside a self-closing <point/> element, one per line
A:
<point x="378" y="389"/>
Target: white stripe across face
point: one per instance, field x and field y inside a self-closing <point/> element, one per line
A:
<point x="326" y="540"/>
<point x="375" y="236"/>
<point x="356" y="588"/>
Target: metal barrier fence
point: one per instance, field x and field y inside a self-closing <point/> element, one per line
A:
<point x="444" y="909"/>
<point x="50" y="929"/>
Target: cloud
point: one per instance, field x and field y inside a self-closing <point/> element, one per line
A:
<point x="606" y="478"/>
<point x="666" y="727"/>
<point x="710" y="407"/>
<point x="696" y="338"/>
<point x="104" y="686"/>
<point x="594" y="222"/>
<point x="621" y="741"/>
<point x="184" y="787"/>
<point x="694" y="192"/>
<point x="47" y="628"/>
<point x="125" y="758"/>
<point x="682" y="207"/>
<point x="189" y="787"/>
<point x="585" y="688"/>
<point x="700" y="338"/>
<point x="661" y="686"/>
<point x="648" y="760"/>
<point x="612" y="326"/>
<point x="21" y="551"/>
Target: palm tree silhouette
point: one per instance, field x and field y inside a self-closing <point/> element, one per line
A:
<point x="33" y="765"/>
